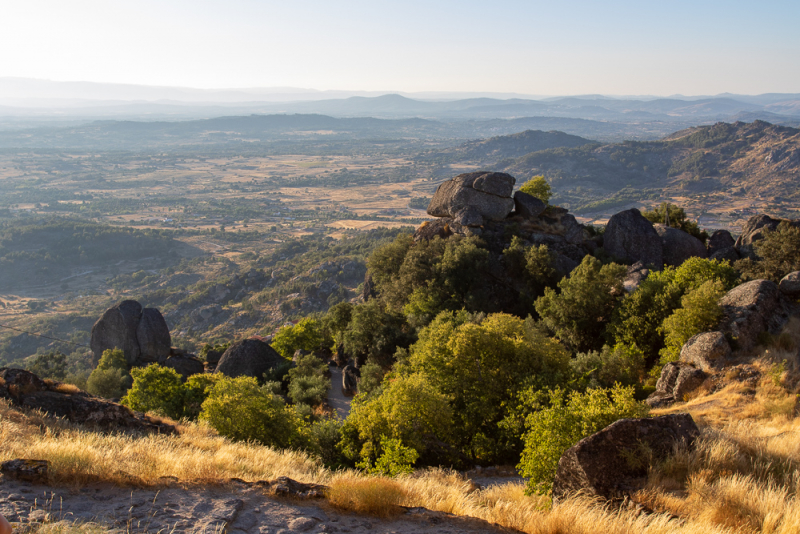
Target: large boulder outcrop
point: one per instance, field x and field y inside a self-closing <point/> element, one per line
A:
<point x="676" y="381"/>
<point x="249" y="357"/>
<point x="720" y="240"/>
<point x="790" y="285"/>
<point x="527" y="205"/>
<point x="752" y="308"/>
<point x="152" y="336"/>
<point x="141" y="334"/>
<point x="752" y="231"/>
<point x="632" y="238"/>
<point x="706" y="351"/>
<point x="612" y="464"/>
<point x="26" y="390"/>
<point x="116" y="329"/>
<point x="678" y="246"/>
<point x="473" y="198"/>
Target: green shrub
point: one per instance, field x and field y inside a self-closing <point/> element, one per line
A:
<point x="307" y="381"/>
<point x="395" y="459"/>
<point x="110" y="379"/>
<point x="409" y="409"/>
<point x="325" y="435"/>
<point x="578" y="312"/>
<point x="195" y="392"/>
<point x="240" y="409"/>
<point x="677" y="219"/>
<point x="779" y="254"/>
<point x="558" y="421"/>
<point x="538" y="187"/>
<point x="51" y="364"/>
<point x="304" y="335"/>
<point x="699" y="312"/>
<point x="156" y="389"/>
<point x="622" y="364"/>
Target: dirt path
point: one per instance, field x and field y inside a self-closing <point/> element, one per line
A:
<point x="336" y="399"/>
<point x="235" y="509"/>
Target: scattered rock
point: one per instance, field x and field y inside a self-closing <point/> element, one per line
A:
<point x="249" y="357"/>
<point x="706" y="351"/>
<point x="350" y="375"/>
<point x="613" y="463"/>
<point x="302" y="524"/>
<point x="34" y="471"/>
<point x="185" y="365"/>
<point x="632" y="238"/>
<point x="678" y="246"/>
<point x="676" y="381"/>
<point x="752" y="308"/>
<point x="26" y="390"/>
<point x="287" y="487"/>
<point x="472" y="198"/>
<point x="528" y="205"/>
<point x="720" y="240"/>
<point x="442" y="228"/>
<point x="790" y="285"/>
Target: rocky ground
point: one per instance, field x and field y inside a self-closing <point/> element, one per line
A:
<point x="236" y="508"/>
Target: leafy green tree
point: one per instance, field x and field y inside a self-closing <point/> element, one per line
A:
<point x="409" y="409"/>
<point x="779" y="254"/>
<point x="239" y="409"/>
<point x="51" y="364"/>
<point x="195" y="392"/>
<point x="156" y="389"/>
<point x="304" y="335"/>
<point x="376" y="332"/>
<point x="110" y="379"/>
<point x="638" y="319"/>
<point x="677" y="219"/>
<point x="538" y="187"/>
<point x="307" y="381"/>
<point x="481" y="364"/>
<point x="395" y="459"/>
<point x="559" y="420"/>
<point x="623" y="364"/>
<point x="699" y="312"/>
<point x="578" y="313"/>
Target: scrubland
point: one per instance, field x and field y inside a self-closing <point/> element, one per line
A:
<point x="742" y="475"/>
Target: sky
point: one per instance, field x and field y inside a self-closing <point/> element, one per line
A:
<point x="642" y="47"/>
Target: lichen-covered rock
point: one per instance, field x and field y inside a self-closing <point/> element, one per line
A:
<point x="726" y="254"/>
<point x="637" y="273"/>
<point x="528" y="205"/>
<point x="26" y="390"/>
<point x="442" y="228"/>
<point x="630" y="237"/>
<point x="350" y="375"/>
<point x="752" y="308"/>
<point x="676" y="381"/>
<point x="116" y="329"/>
<point x="790" y="285"/>
<point x="706" y="351"/>
<point x="152" y="335"/>
<point x="472" y="198"/>
<point x="678" y="246"/>
<point x="613" y="463"/>
<point x="249" y="357"/>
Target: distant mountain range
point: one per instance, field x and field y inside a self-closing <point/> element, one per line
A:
<point x="37" y="98"/>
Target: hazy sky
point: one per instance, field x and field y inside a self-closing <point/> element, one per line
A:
<point x="544" y="48"/>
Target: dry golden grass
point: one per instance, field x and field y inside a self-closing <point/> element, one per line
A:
<point x="742" y="476"/>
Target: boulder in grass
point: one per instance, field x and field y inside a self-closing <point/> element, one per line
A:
<point x="706" y="351"/>
<point x="676" y="381"/>
<point x="116" y="329"/>
<point x="614" y="462"/>
<point x="752" y="308"/>
<point x="790" y="285"/>
<point x="34" y="471"/>
<point x="678" y="246"/>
